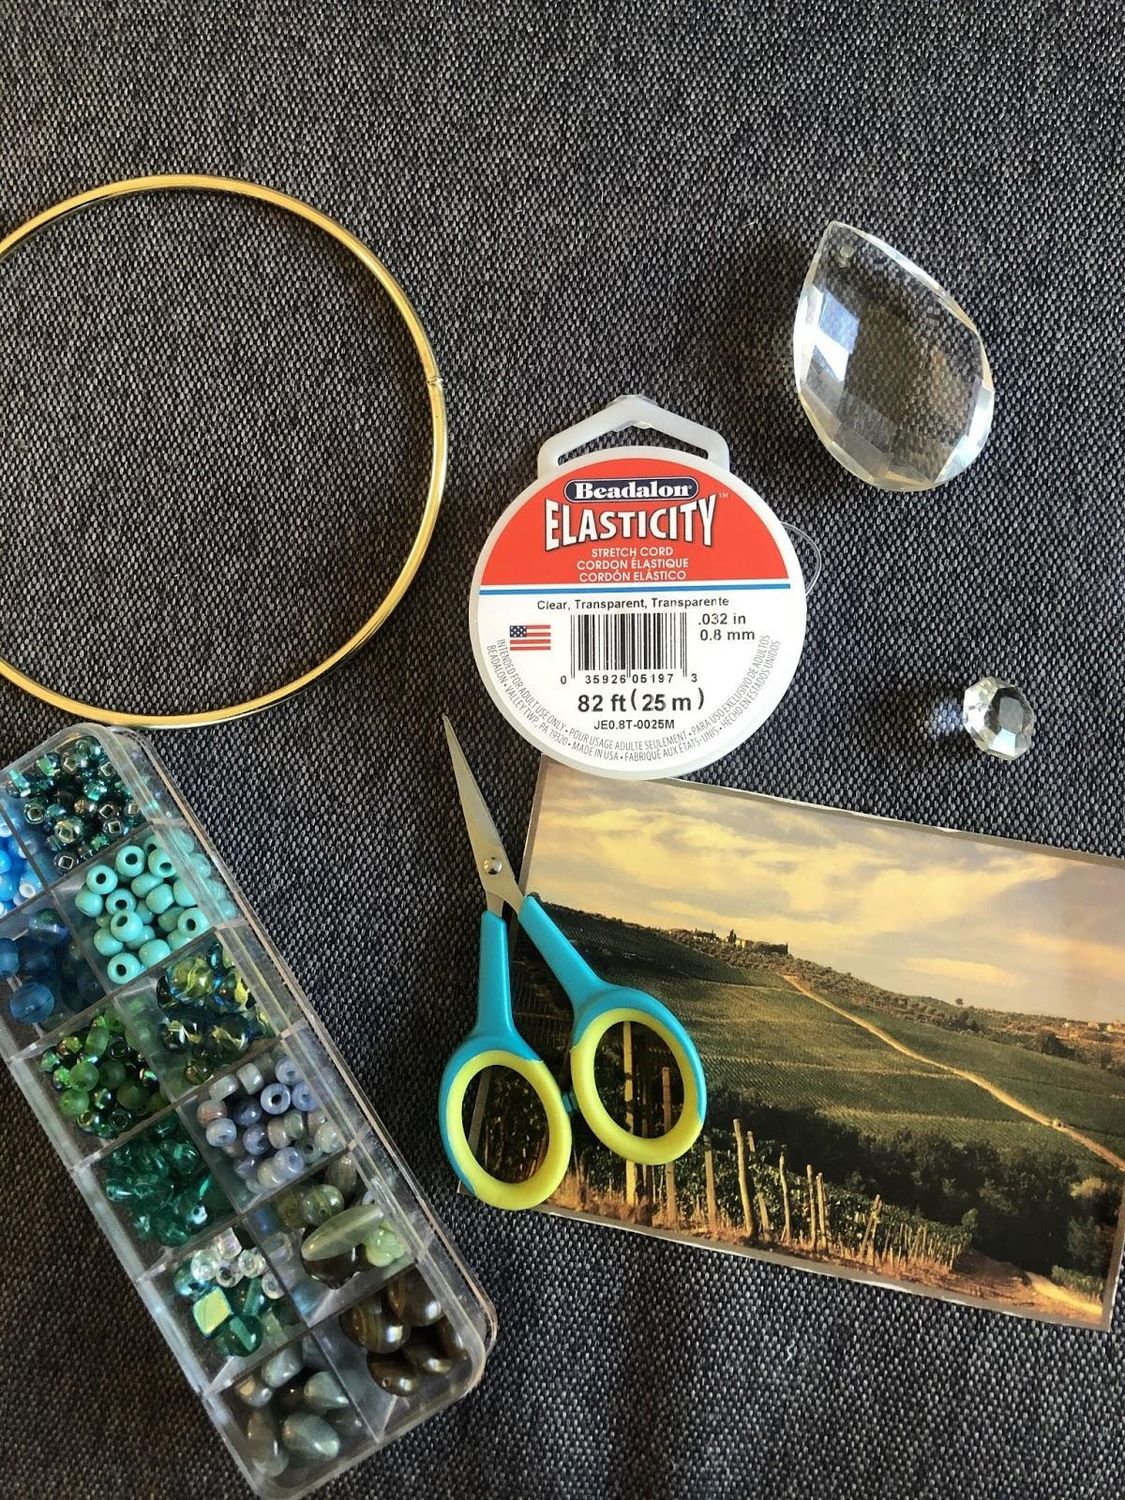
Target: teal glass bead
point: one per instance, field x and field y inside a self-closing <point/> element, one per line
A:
<point x="101" y="879"/>
<point x="49" y="1061"/>
<point x="32" y="1003"/>
<point x="240" y="1336"/>
<point x="154" y="952"/>
<point x="160" y="865"/>
<point x="106" y="944"/>
<point x="159" y="899"/>
<point x="124" y="968"/>
<point x="127" y="928"/>
<point x="184" y="1161"/>
<point x="193" y="922"/>
<point x="144" y="884"/>
<point x="89" y="903"/>
<point x="48" y="926"/>
<point x="130" y="861"/>
<point x="184" y="1283"/>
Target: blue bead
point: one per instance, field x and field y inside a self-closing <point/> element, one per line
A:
<point x="6" y="860"/>
<point x="48" y="926"/>
<point x="255" y="1140"/>
<point x="32" y="1003"/>
<point x="37" y="959"/>
<point x="9" y="959"/>
<point x="249" y="1112"/>
<point x="275" y="1099"/>
<point x="303" y="1098"/>
<point x="9" y="886"/>
<point x="286" y="1070"/>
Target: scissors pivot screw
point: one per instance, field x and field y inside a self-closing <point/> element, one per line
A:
<point x="493" y="866"/>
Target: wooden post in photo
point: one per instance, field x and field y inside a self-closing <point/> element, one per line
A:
<point x="787" y="1230"/>
<point x="670" y="1170"/>
<point x="709" y="1174"/>
<point x="630" y="1122"/>
<point x="812" y="1205"/>
<point x="743" y="1185"/>
<point x="764" y="1214"/>
<point x="824" y="1227"/>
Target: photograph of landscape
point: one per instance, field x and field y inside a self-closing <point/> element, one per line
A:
<point x="914" y="1040"/>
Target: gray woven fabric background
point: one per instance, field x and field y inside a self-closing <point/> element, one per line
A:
<point x="212" y="445"/>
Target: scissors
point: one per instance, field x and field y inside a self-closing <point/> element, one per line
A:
<point x="495" y="1042"/>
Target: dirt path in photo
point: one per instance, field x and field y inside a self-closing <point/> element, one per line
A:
<point x="1005" y="1098"/>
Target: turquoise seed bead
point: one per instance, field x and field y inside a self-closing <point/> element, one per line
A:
<point x="169" y="921"/>
<point x="160" y="864"/>
<point x="89" y="903"/>
<point x="124" y="967"/>
<point x="130" y="861"/>
<point x="120" y="900"/>
<point x="106" y="944"/>
<point x="144" y="884"/>
<point x="177" y="940"/>
<point x="154" y="952"/>
<point x="193" y="922"/>
<point x="127" y="928"/>
<point x="182" y="894"/>
<point x="102" y="879"/>
<point x="159" y="899"/>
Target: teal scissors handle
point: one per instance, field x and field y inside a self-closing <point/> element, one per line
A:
<point x="495" y="1042"/>
<point x="597" y="1007"/>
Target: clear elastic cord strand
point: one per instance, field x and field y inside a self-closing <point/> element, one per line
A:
<point x="818" y="556"/>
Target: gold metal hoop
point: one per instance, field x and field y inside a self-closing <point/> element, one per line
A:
<point x="194" y="182"/>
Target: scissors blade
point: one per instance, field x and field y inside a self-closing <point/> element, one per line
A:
<point x="495" y="872"/>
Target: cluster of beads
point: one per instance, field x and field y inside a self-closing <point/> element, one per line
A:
<point x="268" y="1121"/>
<point x="104" y="1085"/>
<point x="301" y="1415"/>
<point x="75" y="800"/>
<point x="18" y="881"/>
<point x="337" y="1232"/>
<point x="46" y="970"/>
<point x="406" y="1334"/>
<point x="141" y="908"/>
<point x="208" y="1015"/>
<point x="236" y="1300"/>
<point x="161" y="1182"/>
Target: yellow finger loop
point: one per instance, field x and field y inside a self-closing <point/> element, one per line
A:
<point x="651" y="1151"/>
<point x="539" y="1187"/>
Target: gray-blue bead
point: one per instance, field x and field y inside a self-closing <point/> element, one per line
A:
<point x="303" y="1097"/>
<point x="275" y="1098"/>
<point x="249" y="1112"/>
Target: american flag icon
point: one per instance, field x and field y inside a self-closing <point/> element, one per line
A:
<point x="529" y="637"/>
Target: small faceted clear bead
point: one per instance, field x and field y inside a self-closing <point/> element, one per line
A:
<point x="999" y="718"/>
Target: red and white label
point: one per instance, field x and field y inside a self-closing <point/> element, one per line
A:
<point x="638" y="613"/>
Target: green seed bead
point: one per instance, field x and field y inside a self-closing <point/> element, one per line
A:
<point x="131" y="1096"/>
<point x="113" y="1072"/>
<point x="74" y="1103"/>
<point x="97" y="1041"/>
<point x="84" y="1075"/>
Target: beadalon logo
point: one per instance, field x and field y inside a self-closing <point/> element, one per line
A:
<point x="675" y="487"/>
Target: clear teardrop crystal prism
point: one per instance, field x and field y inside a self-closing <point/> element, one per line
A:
<point x="891" y="371"/>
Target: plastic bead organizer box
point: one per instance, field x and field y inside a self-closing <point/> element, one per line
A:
<point x="304" y="1285"/>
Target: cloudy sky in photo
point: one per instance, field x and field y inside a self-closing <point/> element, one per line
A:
<point x="908" y="908"/>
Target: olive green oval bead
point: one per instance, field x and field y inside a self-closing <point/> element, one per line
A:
<point x="368" y="1323"/>
<point x="394" y="1376"/>
<point x="310" y="1436"/>
<point x="411" y="1300"/>
<point x="342" y="1174"/>
<point x="343" y="1232"/>
<point x="319" y="1203"/>
<point x="263" y="1446"/>
<point x="451" y="1341"/>
<point x="336" y="1269"/>
<point x="323" y="1393"/>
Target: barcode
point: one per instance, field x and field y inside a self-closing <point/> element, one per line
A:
<point x="648" y="641"/>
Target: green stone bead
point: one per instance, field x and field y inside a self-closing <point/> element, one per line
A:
<point x="49" y="1061"/>
<point x="97" y="1042"/>
<point x="113" y="1073"/>
<point x="287" y="1206"/>
<point x="84" y="1075"/>
<point x="342" y="1233"/>
<point x="370" y="1324"/>
<point x="211" y="1311"/>
<point x="319" y="1202"/>
<point x="74" y="1103"/>
<point x="131" y="1096"/>
<point x="240" y="1336"/>
<point x="383" y="1247"/>
<point x="342" y="1174"/>
<point x="323" y="1393"/>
